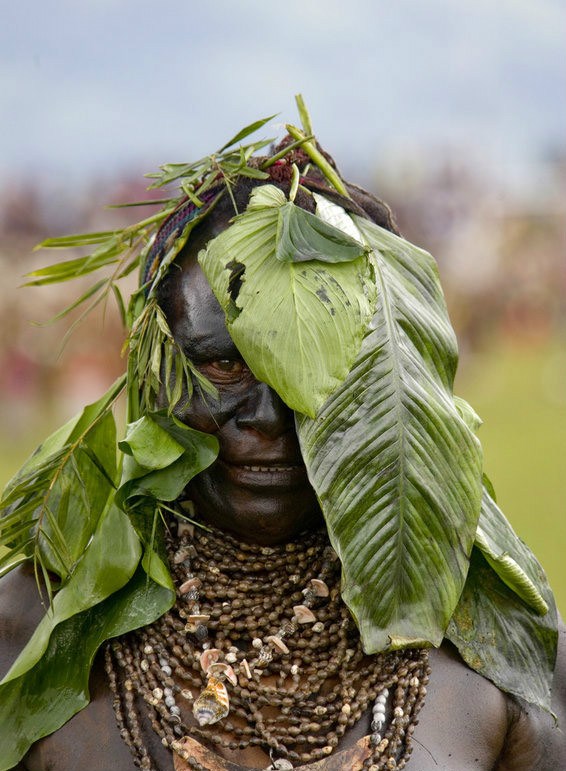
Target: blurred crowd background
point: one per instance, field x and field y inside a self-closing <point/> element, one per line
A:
<point x="469" y="150"/>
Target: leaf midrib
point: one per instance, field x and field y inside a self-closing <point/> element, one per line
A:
<point x="392" y="339"/>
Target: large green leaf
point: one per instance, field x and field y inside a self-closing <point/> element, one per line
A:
<point x="54" y="503"/>
<point x="41" y="700"/>
<point x="162" y="455"/>
<point x="511" y="559"/>
<point x="298" y="325"/>
<point x="501" y="637"/>
<point x="78" y="496"/>
<point x="396" y="469"/>
<point x="108" y="563"/>
<point x="64" y="436"/>
<point x="302" y="236"/>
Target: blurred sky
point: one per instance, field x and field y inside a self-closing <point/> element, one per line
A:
<point x="106" y="85"/>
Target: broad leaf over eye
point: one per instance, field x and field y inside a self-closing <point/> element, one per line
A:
<point x="298" y="325"/>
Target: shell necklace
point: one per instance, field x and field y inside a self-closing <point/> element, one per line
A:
<point x="259" y="650"/>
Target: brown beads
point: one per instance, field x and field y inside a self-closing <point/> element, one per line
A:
<point x="265" y="611"/>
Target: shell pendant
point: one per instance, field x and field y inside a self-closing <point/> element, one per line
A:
<point x="213" y="703"/>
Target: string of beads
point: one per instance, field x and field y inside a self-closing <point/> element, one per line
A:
<point x="259" y="650"/>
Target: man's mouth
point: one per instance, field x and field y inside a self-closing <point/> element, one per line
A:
<point x="276" y="475"/>
<point x="285" y="467"/>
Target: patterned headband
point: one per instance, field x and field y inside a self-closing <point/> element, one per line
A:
<point x="171" y="229"/>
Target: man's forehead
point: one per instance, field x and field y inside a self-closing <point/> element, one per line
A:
<point x="199" y="323"/>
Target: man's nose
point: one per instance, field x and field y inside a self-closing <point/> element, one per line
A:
<point x="265" y="412"/>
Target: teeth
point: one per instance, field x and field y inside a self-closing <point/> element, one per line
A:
<point x="268" y="468"/>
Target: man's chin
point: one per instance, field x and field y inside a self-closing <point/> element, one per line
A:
<point x="264" y="514"/>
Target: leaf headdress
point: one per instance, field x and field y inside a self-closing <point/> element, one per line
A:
<point x="346" y="321"/>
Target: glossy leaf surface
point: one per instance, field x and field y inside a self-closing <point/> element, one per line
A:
<point x="47" y="696"/>
<point x="161" y="456"/>
<point x="302" y="236"/>
<point x="298" y="326"/>
<point x="54" y="504"/>
<point x="102" y="571"/>
<point x="396" y="469"/>
<point x="511" y="559"/>
<point x="501" y="637"/>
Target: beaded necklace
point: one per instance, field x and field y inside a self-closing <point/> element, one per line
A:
<point x="259" y="650"/>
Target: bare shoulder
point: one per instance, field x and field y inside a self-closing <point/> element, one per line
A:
<point x="468" y="723"/>
<point x="533" y="730"/>
<point x="463" y="723"/>
<point x="20" y="612"/>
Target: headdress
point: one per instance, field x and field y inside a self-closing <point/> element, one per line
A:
<point x="392" y="455"/>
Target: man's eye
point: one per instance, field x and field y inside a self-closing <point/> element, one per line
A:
<point x="228" y="365"/>
<point x="224" y="370"/>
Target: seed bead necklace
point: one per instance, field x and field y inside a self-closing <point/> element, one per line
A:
<point x="260" y="643"/>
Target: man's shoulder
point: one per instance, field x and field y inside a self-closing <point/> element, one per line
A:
<point x="529" y="738"/>
<point x="548" y="731"/>
<point x="20" y="611"/>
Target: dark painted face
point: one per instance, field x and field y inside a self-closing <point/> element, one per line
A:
<point x="258" y="487"/>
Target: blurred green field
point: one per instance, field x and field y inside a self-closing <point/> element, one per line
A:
<point x="520" y="392"/>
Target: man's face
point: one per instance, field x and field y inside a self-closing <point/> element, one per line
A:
<point x="258" y="488"/>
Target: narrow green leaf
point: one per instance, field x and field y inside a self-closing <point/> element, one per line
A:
<point x="57" y="557"/>
<point x="10" y="561"/>
<point x="70" y="269"/>
<point x="120" y="302"/>
<point x="252" y="172"/>
<point x="13" y="514"/>
<point x="92" y="290"/>
<point x="12" y="533"/>
<point x="303" y="114"/>
<point x="251" y="129"/>
<point x="94" y="412"/>
<point x="148" y="202"/>
<point x="78" y="239"/>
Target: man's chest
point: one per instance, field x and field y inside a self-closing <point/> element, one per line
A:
<point x="462" y="728"/>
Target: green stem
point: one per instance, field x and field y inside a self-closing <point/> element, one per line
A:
<point x="303" y="114"/>
<point x="286" y="150"/>
<point x="294" y="183"/>
<point x="132" y="391"/>
<point x="317" y="157"/>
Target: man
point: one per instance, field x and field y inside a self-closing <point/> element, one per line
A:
<point x="259" y="638"/>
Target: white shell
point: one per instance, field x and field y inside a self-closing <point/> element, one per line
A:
<point x="319" y="588"/>
<point x="198" y="618"/>
<point x="221" y="668"/>
<point x="304" y="615"/>
<point x="180" y="556"/>
<point x="190" y="583"/>
<point x="185" y="527"/>
<point x="277" y="643"/>
<point x="245" y="667"/>
<point x="209" y="657"/>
